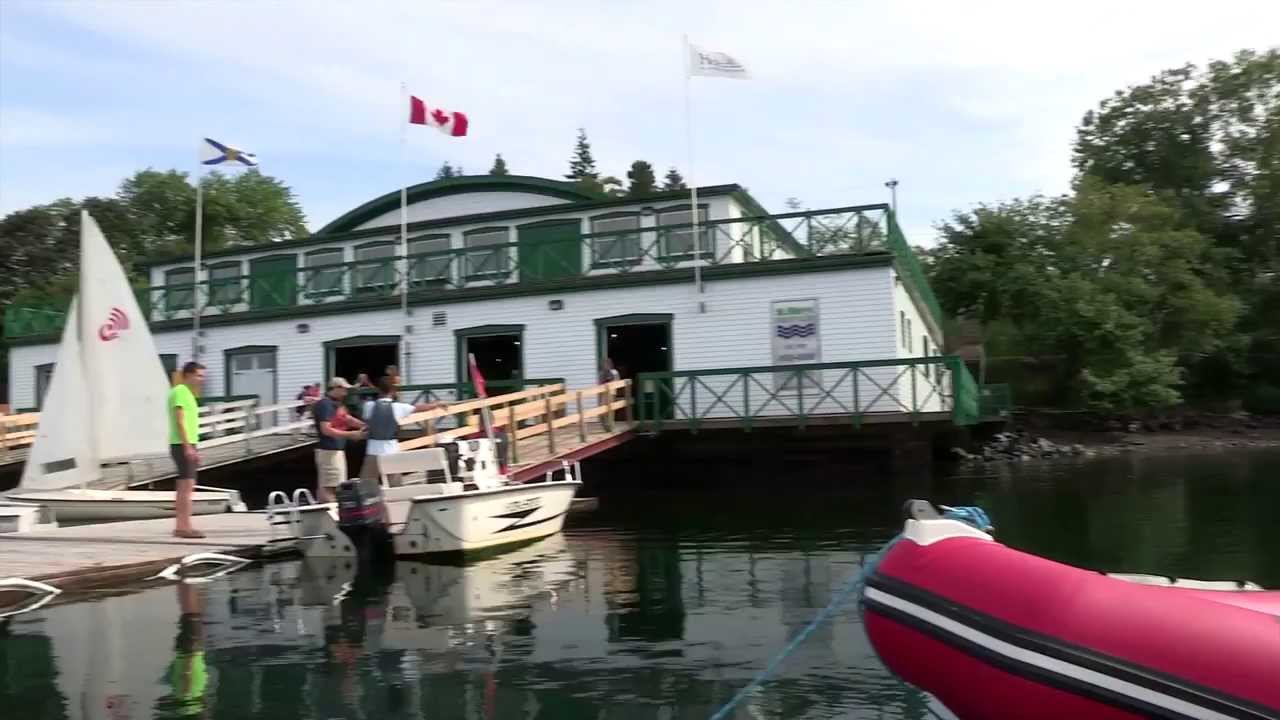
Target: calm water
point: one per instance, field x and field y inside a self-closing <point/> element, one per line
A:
<point x="659" y="606"/>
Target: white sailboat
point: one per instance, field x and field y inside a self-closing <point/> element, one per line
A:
<point x="108" y="401"/>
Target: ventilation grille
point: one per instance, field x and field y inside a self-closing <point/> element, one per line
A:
<point x="439" y="318"/>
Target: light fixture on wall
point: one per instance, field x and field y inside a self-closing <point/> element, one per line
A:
<point x="555" y="304"/>
<point x="303" y="328"/>
<point x="647" y="211"/>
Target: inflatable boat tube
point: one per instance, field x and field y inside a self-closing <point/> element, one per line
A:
<point x="995" y="633"/>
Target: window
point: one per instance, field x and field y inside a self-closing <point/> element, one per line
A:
<point x="44" y="377"/>
<point x="324" y="272"/>
<point x="375" y="266"/>
<point x="169" y="362"/>
<point x="910" y="344"/>
<point x="429" y="259"/>
<point x="679" y="242"/>
<point x="486" y="252"/>
<point x="621" y="245"/>
<point x="902" y="328"/>
<point x="179" y="291"/>
<point x="224" y="283"/>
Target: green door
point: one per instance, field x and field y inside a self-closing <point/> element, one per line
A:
<point x="273" y="281"/>
<point x="550" y="250"/>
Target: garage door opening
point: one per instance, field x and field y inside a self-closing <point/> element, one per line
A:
<point x="500" y="358"/>
<point x="351" y="360"/>
<point x="640" y="345"/>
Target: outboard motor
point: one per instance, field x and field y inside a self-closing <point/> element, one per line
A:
<point x="360" y="516"/>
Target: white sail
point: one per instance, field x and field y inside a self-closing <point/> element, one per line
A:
<point x="63" y="452"/>
<point x="127" y="386"/>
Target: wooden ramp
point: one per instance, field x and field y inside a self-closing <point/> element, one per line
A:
<point x="546" y="426"/>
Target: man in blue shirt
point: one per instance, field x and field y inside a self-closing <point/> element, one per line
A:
<point x="331" y="457"/>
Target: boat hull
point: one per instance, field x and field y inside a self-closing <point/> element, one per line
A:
<point x="480" y="520"/>
<point x="76" y="504"/>
<point x="996" y="633"/>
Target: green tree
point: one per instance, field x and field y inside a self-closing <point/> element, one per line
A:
<point x="1110" y="283"/>
<point x="582" y="164"/>
<point x="446" y="171"/>
<point x="1210" y="138"/>
<point x="641" y="179"/>
<point x="499" y="166"/>
<point x="151" y="216"/>
<point x="673" y="180"/>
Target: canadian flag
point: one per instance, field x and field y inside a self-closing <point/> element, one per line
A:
<point x="446" y="121"/>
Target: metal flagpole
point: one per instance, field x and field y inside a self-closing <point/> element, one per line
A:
<point x="197" y="306"/>
<point x="693" y="184"/>
<point x="404" y="231"/>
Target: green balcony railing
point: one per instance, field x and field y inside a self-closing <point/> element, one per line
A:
<point x="995" y="401"/>
<point x="855" y="392"/>
<point x="551" y="254"/>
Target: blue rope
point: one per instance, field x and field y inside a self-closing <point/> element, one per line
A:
<point x="972" y="515"/>
<point x="849" y="588"/>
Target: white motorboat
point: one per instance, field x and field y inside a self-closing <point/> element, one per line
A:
<point x="107" y="402"/>
<point x="454" y="506"/>
<point x="25" y="517"/>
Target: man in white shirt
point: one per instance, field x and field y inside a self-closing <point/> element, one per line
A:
<point x="382" y="418"/>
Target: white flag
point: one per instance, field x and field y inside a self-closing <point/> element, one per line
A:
<point x="715" y="64"/>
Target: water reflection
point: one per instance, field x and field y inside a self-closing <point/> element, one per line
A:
<point x="657" y="608"/>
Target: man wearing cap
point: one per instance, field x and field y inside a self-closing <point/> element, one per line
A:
<point x="331" y="457"/>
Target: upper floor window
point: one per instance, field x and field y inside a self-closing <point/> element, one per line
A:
<point x="678" y="241"/>
<point x="429" y="259"/>
<point x="615" y="238"/>
<point x="179" y="291"/>
<point x="324" y="271"/>
<point x="224" y="283"/>
<point x="375" y="265"/>
<point x="487" y="253"/>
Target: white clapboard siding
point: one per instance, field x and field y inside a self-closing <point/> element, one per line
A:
<point x="856" y="306"/>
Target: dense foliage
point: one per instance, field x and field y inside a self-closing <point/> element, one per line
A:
<point x="1157" y="279"/>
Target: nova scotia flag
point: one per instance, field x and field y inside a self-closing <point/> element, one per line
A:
<point x="213" y="152"/>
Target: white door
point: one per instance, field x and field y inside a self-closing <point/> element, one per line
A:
<point x="255" y="374"/>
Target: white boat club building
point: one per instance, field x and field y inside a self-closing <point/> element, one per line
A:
<point x="541" y="280"/>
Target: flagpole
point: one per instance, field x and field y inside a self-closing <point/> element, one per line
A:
<point x="197" y="306"/>
<point x="404" y="231"/>
<point x="693" y="183"/>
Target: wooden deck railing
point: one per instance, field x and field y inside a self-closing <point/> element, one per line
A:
<point x="530" y="413"/>
<point x="17" y="432"/>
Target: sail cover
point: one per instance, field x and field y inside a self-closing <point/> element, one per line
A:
<point x="126" y="383"/>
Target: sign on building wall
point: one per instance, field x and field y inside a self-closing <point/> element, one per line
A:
<point x="796" y="341"/>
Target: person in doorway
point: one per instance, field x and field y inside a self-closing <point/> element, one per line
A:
<point x="184" y="434"/>
<point x="383" y="417"/>
<point x="609" y="373"/>
<point x="334" y="427"/>
<point x="362" y="381"/>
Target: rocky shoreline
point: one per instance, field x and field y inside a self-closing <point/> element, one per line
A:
<point x="1038" y="438"/>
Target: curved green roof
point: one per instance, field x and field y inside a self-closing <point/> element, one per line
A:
<point x="526" y="184"/>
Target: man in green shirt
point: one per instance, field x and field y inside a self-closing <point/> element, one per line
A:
<point x="184" y="433"/>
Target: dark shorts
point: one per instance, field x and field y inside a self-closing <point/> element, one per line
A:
<point x="188" y="625"/>
<point x="186" y="468"/>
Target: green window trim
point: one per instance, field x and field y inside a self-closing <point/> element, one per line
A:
<point x="374" y="275"/>
<point x="229" y="354"/>
<point x="627" y="239"/>
<point x="487" y="268"/>
<point x="666" y="231"/>
<point x="179" y="294"/>
<point x="461" y="335"/>
<point x="229" y="288"/>
<point x="431" y="268"/>
<point x="313" y="273"/>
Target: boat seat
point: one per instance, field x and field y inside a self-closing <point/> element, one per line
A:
<point x="415" y="467"/>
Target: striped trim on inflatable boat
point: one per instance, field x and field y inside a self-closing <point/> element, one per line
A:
<point x="1051" y="661"/>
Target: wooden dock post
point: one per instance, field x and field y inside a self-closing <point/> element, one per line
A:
<point x="511" y="433"/>
<point x="629" y="394"/>
<point x="551" y="427"/>
<point x="582" y="420"/>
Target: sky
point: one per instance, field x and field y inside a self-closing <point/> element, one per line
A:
<point x="962" y="103"/>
